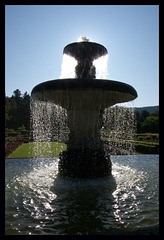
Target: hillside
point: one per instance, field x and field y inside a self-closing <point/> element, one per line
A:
<point x="150" y="109"/>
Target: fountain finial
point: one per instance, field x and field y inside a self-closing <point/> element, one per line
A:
<point x="83" y="38"/>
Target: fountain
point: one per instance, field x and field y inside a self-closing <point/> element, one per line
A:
<point x="85" y="98"/>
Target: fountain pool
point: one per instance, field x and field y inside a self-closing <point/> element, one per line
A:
<point x="40" y="202"/>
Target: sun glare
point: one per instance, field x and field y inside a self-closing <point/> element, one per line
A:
<point x="68" y="67"/>
<point x="101" y="67"/>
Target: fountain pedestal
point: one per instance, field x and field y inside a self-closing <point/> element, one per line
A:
<point x="83" y="162"/>
<point x="85" y="155"/>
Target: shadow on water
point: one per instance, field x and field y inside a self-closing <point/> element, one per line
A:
<point x="38" y="201"/>
<point x="83" y="206"/>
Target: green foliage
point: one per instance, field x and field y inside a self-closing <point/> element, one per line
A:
<point x="147" y="149"/>
<point x="17" y="94"/>
<point x="147" y="122"/>
<point x="17" y="111"/>
<point x="151" y="124"/>
<point x="7" y="109"/>
<point x="22" y="128"/>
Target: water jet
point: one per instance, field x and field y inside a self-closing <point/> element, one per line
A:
<point x="85" y="98"/>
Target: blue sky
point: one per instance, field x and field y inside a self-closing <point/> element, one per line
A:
<point x="35" y="36"/>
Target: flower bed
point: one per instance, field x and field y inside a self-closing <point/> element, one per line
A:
<point x="11" y="146"/>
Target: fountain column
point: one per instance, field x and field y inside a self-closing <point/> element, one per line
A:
<point x="85" y="156"/>
<point x="84" y="128"/>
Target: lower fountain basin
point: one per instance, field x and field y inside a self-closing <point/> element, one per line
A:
<point x="84" y="93"/>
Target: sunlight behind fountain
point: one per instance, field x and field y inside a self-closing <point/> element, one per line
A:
<point x="101" y="67"/>
<point x="68" y="67"/>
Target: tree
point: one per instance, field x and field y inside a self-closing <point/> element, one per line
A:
<point x="7" y="109"/>
<point x="17" y="110"/>
<point x="17" y="93"/>
<point x="151" y="124"/>
<point x="25" y="109"/>
<point x="144" y="115"/>
<point x="17" y="96"/>
<point x="147" y="122"/>
<point x="138" y="120"/>
<point x="156" y="113"/>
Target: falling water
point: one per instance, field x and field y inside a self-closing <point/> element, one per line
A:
<point x="101" y="67"/>
<point x="119" y="129"/>
<point x="68" y="67"/>
<point x="69" y="64"/>
<point x="48" y="124"/>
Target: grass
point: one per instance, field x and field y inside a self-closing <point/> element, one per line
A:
<point x="51" y="149"/>
<point x="130" y="141"/>
<point x="38" y="149"/>
<point x="144" y="146"/>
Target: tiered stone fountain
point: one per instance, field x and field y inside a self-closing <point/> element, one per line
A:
<point x="85" y="98"/>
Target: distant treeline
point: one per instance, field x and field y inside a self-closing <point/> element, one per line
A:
<point x="17" y="114"/>
<point x="17" y="111"/>
<point x="147" y="122"/>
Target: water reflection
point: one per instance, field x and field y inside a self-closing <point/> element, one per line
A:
<point x="84" y="204"/>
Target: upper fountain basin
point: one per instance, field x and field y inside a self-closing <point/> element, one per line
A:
<point x="84" y="93"/>
<point x="85" y="50"/>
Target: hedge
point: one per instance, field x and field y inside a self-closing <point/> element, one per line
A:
<point x="151" y="149"/>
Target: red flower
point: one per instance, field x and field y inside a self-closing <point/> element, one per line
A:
<point x="11" y="146"/>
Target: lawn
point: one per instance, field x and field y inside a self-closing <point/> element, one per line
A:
<point x="145" y="146"/>
<point x="38" y="149"/>
<point x="144" y="143"/>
